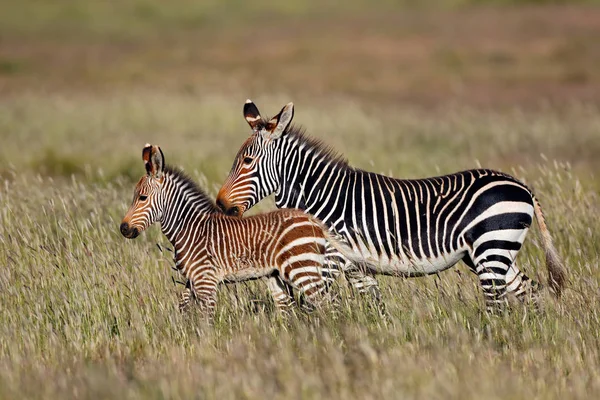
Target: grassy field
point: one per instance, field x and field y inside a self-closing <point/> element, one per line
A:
<point x="406" y="91"/>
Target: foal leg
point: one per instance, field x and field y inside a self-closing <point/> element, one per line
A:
<point x="186" y="296"/>
<point x="306" y="276"/>
<point x="281" y="293"/>
<point x="205" y="290"/>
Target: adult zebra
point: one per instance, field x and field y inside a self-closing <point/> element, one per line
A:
<point x="398" y="227"/>
<point x="287" y="246"/>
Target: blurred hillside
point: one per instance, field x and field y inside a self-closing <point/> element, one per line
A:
<point x="482" y="53"/>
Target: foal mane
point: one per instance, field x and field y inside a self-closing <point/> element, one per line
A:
<point x="188" y="183"/>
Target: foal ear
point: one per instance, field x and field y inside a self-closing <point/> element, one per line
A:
<point x="252" y="115"/>
<point x="154" y="160"/>
<point x="279" y="123"/>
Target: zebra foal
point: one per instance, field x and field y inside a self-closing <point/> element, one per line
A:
<point x="401" y="227"/>
<point x="287" y="246"/>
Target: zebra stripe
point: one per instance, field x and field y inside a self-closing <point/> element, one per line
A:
<point x="396" y="227"/>
<point x="286" y="246"/>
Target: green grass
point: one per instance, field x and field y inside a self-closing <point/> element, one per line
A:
<point x="88" y="314"/>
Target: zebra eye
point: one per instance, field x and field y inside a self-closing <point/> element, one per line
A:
<point x="248" y="160"/>
<point x="143" y="198"/>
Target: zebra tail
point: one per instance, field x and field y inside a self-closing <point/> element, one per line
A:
<point x="556" y="269"/>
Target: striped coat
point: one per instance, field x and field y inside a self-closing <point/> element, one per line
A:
<point x="286" y="246"/>
<point x="394" y="226"/>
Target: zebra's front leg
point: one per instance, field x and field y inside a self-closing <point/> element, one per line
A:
<point x="205" y="290"/>
<point x="186" y="296"/>
<point x="281" y="293"/>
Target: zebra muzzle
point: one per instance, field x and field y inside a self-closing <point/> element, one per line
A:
<point x="233" y="211"/>
<point x="128" y="231"/>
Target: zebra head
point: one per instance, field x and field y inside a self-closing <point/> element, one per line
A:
<point x="255" y="173"/>
<point x="146" y="207"/>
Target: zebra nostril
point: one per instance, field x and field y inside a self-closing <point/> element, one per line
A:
<point x="124" y="228"/>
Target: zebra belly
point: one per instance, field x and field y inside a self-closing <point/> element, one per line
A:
<point x="247" y="274"/>
<point x="415" y="267"/>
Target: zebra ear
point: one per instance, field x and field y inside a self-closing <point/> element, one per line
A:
<point x="279" y="123"/>
<point x="252" y="115"/>
<point x="154" y="160"/>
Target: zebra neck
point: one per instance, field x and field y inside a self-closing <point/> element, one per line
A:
<point x="308" y="176"/>
<point x="185" y="210"/>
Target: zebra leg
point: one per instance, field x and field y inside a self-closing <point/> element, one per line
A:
<point x="365" y="284"/>
<point x="205" y="290"/>
<point x="492" y="277"/>
<point x="493" y="256"/>
<point x="520" y="286"/>
<point x="186" y="296"/>
<point x="281" y="293"/>
<point x="356" y="276"/>
<point x="496" y="269"/>
<point x="308" y="280"/>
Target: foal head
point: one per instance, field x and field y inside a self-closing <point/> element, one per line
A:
<point x="146" y="207"/>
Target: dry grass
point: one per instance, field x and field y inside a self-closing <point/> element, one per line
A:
<point x="88" y="314"/>
<point x="91" y="314"/>
<point x="99" y="137"/>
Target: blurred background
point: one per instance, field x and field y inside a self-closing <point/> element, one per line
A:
<point x="78" y="77"/>
<point x="476" y="52"/>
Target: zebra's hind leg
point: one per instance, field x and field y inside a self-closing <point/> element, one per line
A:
<point x="365" y="284"/>
<point x="493" y="260"/>
<point x="492" y="277"/>
<point x="502" y="281"/>
<point x="357" y="277"/>
<point x="520" y="287"/>
<point x="309" y="281"/>
<point x="281" y="292"/>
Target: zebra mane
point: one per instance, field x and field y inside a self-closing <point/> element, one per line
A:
<point x="188" y="183"/>
<point x="324" y="150"/>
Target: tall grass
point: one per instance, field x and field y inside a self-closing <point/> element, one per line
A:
<point x="100" y="137"/>
<point x="86" y="313"/>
